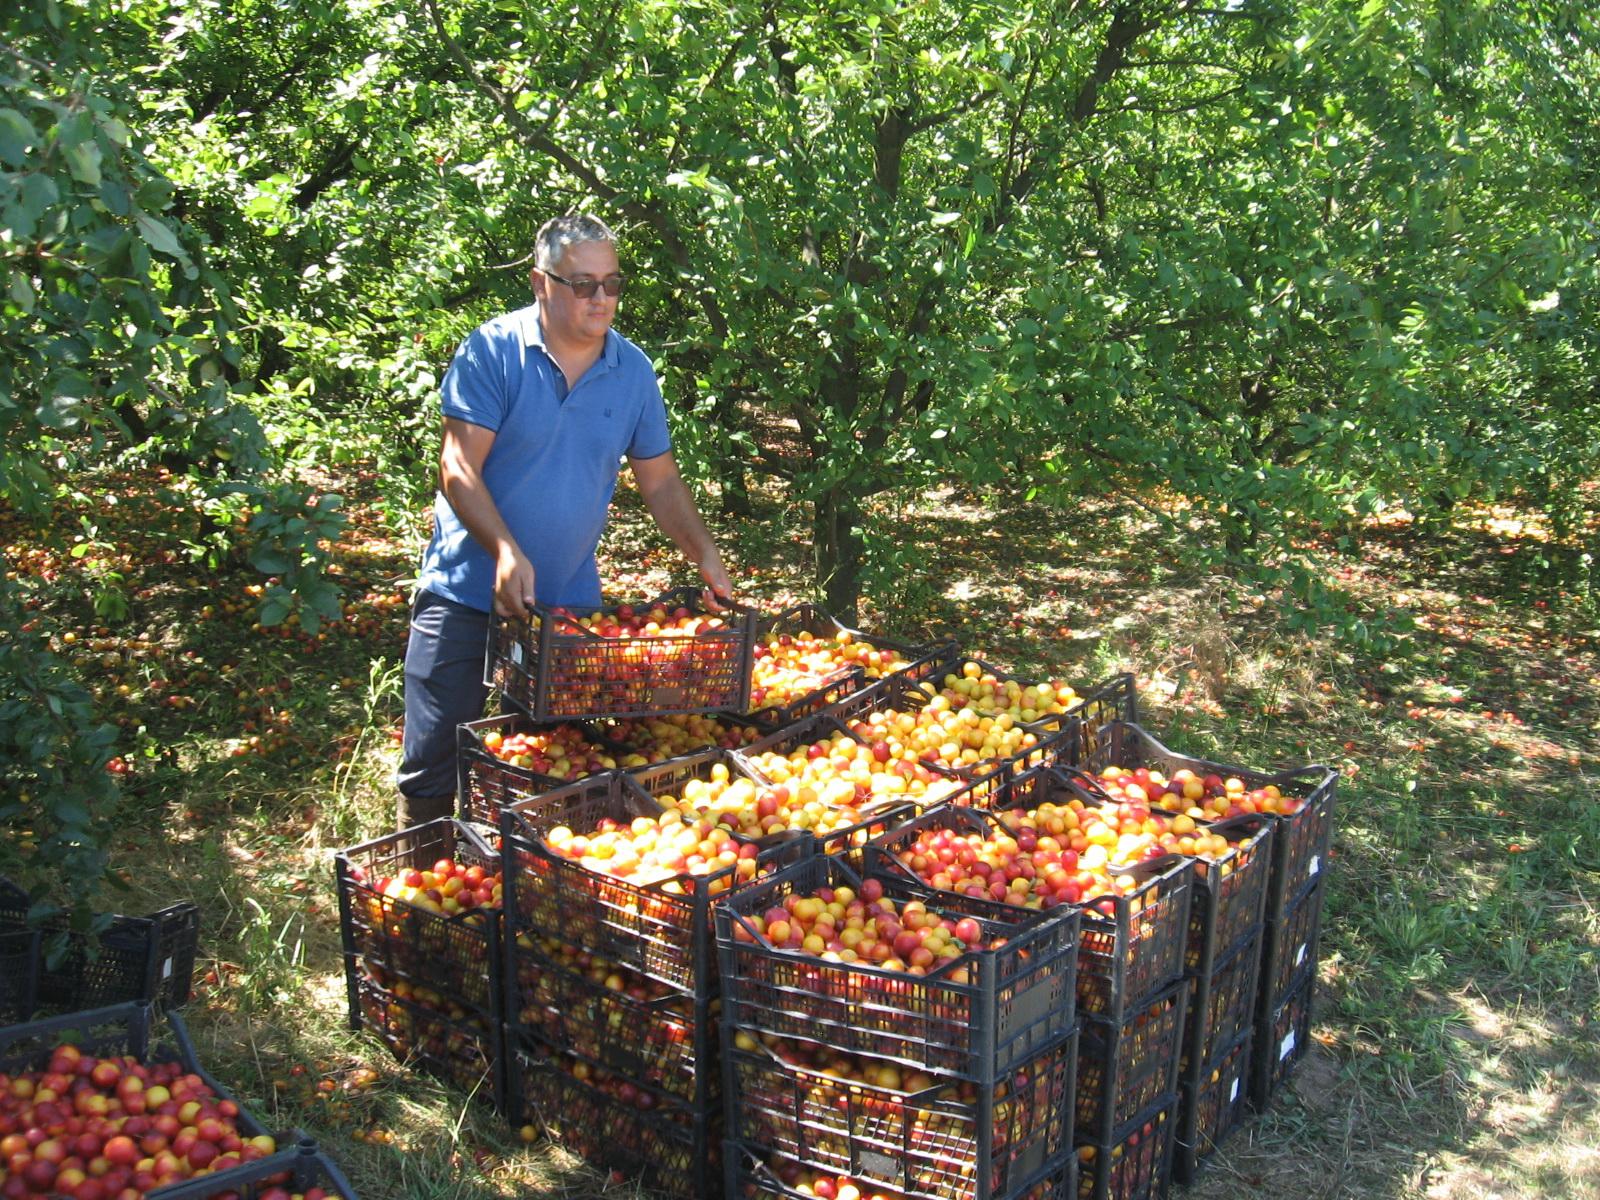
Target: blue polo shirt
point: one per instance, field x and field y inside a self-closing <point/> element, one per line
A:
<point x="553" y="466"/>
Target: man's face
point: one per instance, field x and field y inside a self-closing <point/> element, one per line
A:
<point x="567" y="317"/>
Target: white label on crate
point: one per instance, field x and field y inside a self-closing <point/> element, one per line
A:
<point x="516" y="653"/>
<point x="1300" y="954"/>
<point x="166" y="969"/>
<point x="1288" y="1046"/>
<point x="1233" y="1092"/>
<point x="875" y="1165"/>
<point x="1315" y="865"/>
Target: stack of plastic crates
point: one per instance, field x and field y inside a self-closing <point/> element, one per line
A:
<point x="424" y="972"/>
<point x="611" y="989"/>
<point x="953" y="1083"/>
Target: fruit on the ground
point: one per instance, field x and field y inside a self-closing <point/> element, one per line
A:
<point x="559" y="752"/>
<point x="1208" y="797"/>
<point x="112" y="1128"/>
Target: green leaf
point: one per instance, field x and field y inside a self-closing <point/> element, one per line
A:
<point x="17" y="137"/>
<point x="158" y="234"/>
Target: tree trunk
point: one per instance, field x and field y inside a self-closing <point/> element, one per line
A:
<point x="731" y="470"/>
<point x="837" y="547"/>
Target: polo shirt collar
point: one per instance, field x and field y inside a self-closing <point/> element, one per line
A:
<point x="533" y="335"/>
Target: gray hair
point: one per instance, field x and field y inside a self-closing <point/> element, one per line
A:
<point x="557" y="234"/>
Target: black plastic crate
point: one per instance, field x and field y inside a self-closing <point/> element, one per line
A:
<point x="638" y="742"/>
<point x="297" y="1171"/>
<point x="1136" y="1163"/>
<point x="938" y="1139"/>
<point x="428" y="1030"/>
<point x="739" y="789"/>
<point x="915" y="662"/>
<point x="1281" y="1041"/>
<point x="1210" y="1107"/>
<point x="976" y="1017"/>
<point x="486" y="783"/>
<point x="1117" y="691"/>
<point x="1126" y="1066"/>
<point x="661" y="928"/>
<point x="1134" y="943"/>
<point x="622" y="1021"/>
<point x="1289" y="949"/>
<point x="19" y="974"/>
<point x="1230" y="891"/>
<point x="551" y="668"/>
<point x="613" y="1124"/>
<point x="1304" y="837"/>
<point x="133" y="958"/>
<point x="1111" y="701"/>
<point x="391" y="939"/>
<point x="753" y="1174"/>
<point x="1222" y="1005"/>
<point x="900" y="694"/>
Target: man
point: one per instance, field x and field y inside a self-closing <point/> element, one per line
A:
<point x="540" y="406"/>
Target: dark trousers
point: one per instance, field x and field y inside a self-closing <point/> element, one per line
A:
<point x="444" y="688"/>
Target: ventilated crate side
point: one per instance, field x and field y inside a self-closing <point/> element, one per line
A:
<point x="1136" y="1164"/>
<point x="486" y="783"/>
<point x="1289" y="949"/>
<point x="670" y="1150"/>
<point x="656" y="1036"/>
<point x="1134" y="942"/>
<point x="1223" y="1004"/>
<point x="1210" y="1107"/>
<point x="297" y="1171"/>
<point x="973" y="1017"/>
<point x="427" y="1030"/>
<point x="550" y="669"/>
<point x="754" y="1174"/>
<point x="1126" y="1066"/>
<point x="391" y="939"/>
<point x="944" y="1141"/>
<point x="1281" y="1041"/>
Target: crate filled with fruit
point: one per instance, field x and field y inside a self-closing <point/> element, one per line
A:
<point x="301" y="1173"/>
<point x="640" y="743"/>
<point x="1128" y="759"/>
<point x="506" y="758"/>
<point x="143" y="1114"/>
<point x="1136" y="1162"/>
<point x="839" y="810"/>
<point x="1212" y="1105"/>
<point x="804" y="660"/>
<point x="668" y="655"/>
<point x="1133" y="894"/>
<point x="420" y="914"/>
<point x="616" y="1123"/>
<point x="887" y="968"/>
<point x="603" y="866"/>
<point x="923" y="1135"/>
<point x="755" y="1175"/>
<point x="1128" y="1064"/>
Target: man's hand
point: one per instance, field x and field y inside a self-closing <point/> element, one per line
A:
<point x="513" y="583"/>
<point x="718" y="586"/>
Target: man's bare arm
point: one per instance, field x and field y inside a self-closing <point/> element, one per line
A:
<point x="461" y="459"/>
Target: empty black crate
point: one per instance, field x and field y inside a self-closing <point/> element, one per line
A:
<point x="976" y="1017"/>
<point x="1136" y="1163"/>
<point x="551" y="668"/>
<point x="131" y="959"/>
<point x="612" y="1123"/>
<point x="1222" y="1005"/>
<point x="1210" y="1107"/>
<point x="1289" y="949"/>
<point x="661" y="928"/>
<point x="625" y="1022"/>
<point x="1126" y="1066"/>
<point x="392" y="939"/>
<point x="928" y="1138"/>
<point x="1281" y="1041"/>
<point x="429" y="1030"/>
<point x="295" y="1171"/>
<point x="755" y="1175"/>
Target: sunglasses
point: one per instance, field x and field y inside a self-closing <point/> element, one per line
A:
<point x="584" y="289"/>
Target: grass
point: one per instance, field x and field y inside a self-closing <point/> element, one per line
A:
<point x="1455" y="1051"/>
